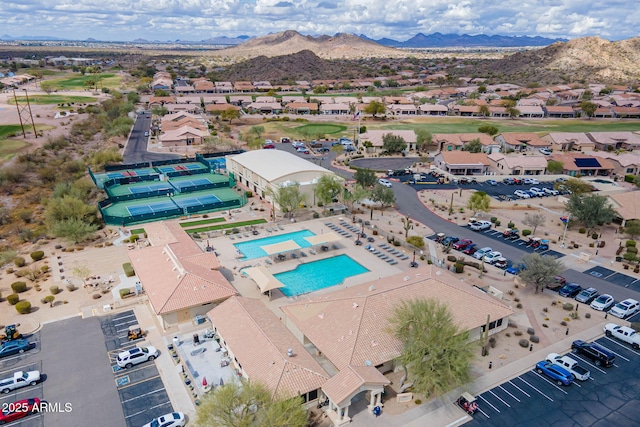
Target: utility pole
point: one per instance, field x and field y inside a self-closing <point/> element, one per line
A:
<point x="24" y="113"/>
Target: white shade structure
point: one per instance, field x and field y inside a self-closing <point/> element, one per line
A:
<point x="265" y="280"/>
<point x="276" y="248"/>
<point x="320" y="239"/>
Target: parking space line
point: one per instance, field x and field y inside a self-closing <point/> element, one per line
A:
<point x="487" y="402"/>
<point x="521" y="390"/>
<point x="577" y="356"/>
<point x="617" y="354"/>
<point x="138" y="368"/>
<point x="499" y="398"/>
<point x="125" y="322"/>
<point x="531" y="385"/>
<point x="549" y="381"/>
<point x="153" y="407"/>
<point x="21" y="368"/>
<point x="503" y="389"/>
<point x="139" y="382"/>
<point x="623" y="346"/>
<point x="142" y="395"/>
<point x="484" y="413"/>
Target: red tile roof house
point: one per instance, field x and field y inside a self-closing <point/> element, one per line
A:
<point x="578" y="164"/>
<point x="627" y="206"/>
<point x="615" y="140"/>
<point x="214" y="99"/>
<point x="185" y="135"/>
<point x="626" y="112"/>
<point x="559" y="111"/>
<point x="190" y="108"/>
<point x="455" y="141"/>
<point x="517" y="164"/>
<point x="301" y="107"/>
<point x="433" y="110"/>
<point x="375" y="137"/>
<point x="623" y="163"/>
<point x="531" y="111"/>
<point x="569" y="141"/>
<point x="349" y="326"/>
<point x="180" y="280"/>
<point x="262" y="349"/>
<point x="521" y="142"/>
<point x="462" y="162"/>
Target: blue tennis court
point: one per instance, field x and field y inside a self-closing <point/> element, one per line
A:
<point x="196" y="201"/>
<point x="129" y="173"/>
<point x="191" y="183"/>
<point x="150" y="188"/>
<point x="150" y="208"/>
<point x="193" y="166"/>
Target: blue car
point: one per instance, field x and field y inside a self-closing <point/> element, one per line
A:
<point x="557" y="373"/>
<point x="516" y="268"/>
<point x="14" y="347"/>
<point x="570" y="290"/>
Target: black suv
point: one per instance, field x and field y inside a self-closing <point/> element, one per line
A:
<point x="595" y="352"/>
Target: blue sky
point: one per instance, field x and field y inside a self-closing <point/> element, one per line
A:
<point x="121" y="20"/>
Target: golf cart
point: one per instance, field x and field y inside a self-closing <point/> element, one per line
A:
<point x="10" y="333"/>
<point x="135" y="333"/>
<point x="511" y="234"/>
<point x="544" y="245"/>
<point x="467" y="402"/>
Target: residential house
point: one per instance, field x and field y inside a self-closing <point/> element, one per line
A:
<point x="180" y="279"/>
<point x="462" y="162"/>
<point x="185" y="121"/>
<point x="189" y="99"/>
<point x="240" y="100"/>
<point x="262" y="86"/>
<point x="464" y="110"/>
<point x="626" y="163"/>
<point x="266" y="99"/>
<point x="265" y="107"/>
<point x="291" y="98"/>
<point x="335" y="109"/>
<point x="213" y="99"/>
<point x="578" y="164"/>
<point x="182" y="89"/>
<point x="159" y="101"/>
<point x="531" y="111"/>
<point x="569" y="141"/>
<point x="627" y="206"/>
<point x="376" y="137"/>
<point x="223" y="87"/>
<point x="402" y="109"/>
<point x="626" y="112"/>
<point x="517" y="164"/>
<point x="433" y="109"/>
<point x="520" y="142"/>
<point x="456" y="141"/>
<point x="243" y="86"/>
<point x="190" y="108"/>
<point x="185" y="135"/>
<point x="301" y="108"/>
<point x="559" y="111"/>
<point x="603" y="113"/>
<point x="216" y="109"/>
<point x="615" y="140"/>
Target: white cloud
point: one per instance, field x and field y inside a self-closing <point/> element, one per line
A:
<point x="401" y="19"/>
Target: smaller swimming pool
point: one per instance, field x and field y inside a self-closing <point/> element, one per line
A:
<point x="252" y="249"/>
<point x="316" y="275"/>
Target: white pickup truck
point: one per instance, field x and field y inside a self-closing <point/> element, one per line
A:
<point x="570" y="365"/>
<point x="19" y="379"/>
<point x="623" y="333"/>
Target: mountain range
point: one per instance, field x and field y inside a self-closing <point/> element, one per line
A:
<point x="420" y="40"/>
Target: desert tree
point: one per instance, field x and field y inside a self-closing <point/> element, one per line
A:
<point x="365" y="177"/>
<point x="383" y="195"/>
<point x="513" y="112"/>
<point x="484" y="111"/>
<point x="328" y="188"/>
<point x="632" y="228"/>
<point x="555" y="167"/>
<point x="230" y="114"/>
<point x="473" y="146"/>
<point x="577" y="186"/>
<point x="591" y="210"/>
<point x="375" y="107"/>
<point x="534" y="220"/>
<point x="352" y="196"/>
<point x="287" y="197"/>
<point x="488" y="129"/>
<point x="393" y="143"/>
<point x="539" y="270"/>
<point x="424" y="139"/>
<point x="479" y="202"/>
<point x="588" y="108"/>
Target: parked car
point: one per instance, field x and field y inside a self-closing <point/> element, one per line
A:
<point x="570" y="365"/>
<point x="518" y="181"/>
<point x="18" y="410"/>
<point x="492" y="257"/>
<point x="480" y="226"/>
<point x="531" y="181"/>
<point x="285" y="140"/>
<point x="545" y="151"/>
<point x="603" y="302"/>
<point x="15" y="347"/>
<point x="450" y="240"/>
<point x="516" y="268"/>
<point x="587" y="295"/>
<point x="480" y="253"/>
<point x="492" y="182"/>
<point x="385" y="183"/>
<point x="315" y="144"/>
<point x="19" y="379"/>
<point x="349" y="148"/>
<point x="550" y="191"/>
<point x="174" y="419"/>
<point x="556" y="283"/>
<point x="623" y="333"/>
<point x="471" y="249"/>
<point x="557" y="373"/>
<point x="270" y="146"/>
<point x="561" y="179"/>
<point x="297" y="144"/>
<point x="127" y="359"/>
<point x="570" y="290"/>
<point x="508" y="181"/>
<point x="461" y="244"/>
<point x="538" y="192"/>
<point x="501" y="263"/>
<point x="303" y="150"/>
<point x="625" y="308"/>
<point x="599" y="355"/>
<point x="511" y="234"/>
<point x="522" y="194"/>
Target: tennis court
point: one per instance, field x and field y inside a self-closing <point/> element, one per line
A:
<point x="180" y="167"/>
<point x="197" y="201"/>
<point x="150" y="188"/>
<point x="129" y="173"/>
<point x="150" y="208"/>
<point x="196" y="182"/>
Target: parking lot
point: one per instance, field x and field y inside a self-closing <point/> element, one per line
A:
<point x="23" y="362"/>
<point x="608" y="398"/>
<point x="520" y="243"/>
<point x="615" y="277"/>
<point x="141" y="390"/>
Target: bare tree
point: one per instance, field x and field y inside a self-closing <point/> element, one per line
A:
<point x="534" y="220"/>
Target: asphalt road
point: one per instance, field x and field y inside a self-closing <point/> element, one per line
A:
<point x="136" y="148"/>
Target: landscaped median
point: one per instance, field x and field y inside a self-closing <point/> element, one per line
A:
<point x="225" y="226"/>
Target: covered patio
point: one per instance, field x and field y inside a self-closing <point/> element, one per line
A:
<point x="324" y="239"/>
<point x="264" y="279"/>
<point x="279" y="249"/>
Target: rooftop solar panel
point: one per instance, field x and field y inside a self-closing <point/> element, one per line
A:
<point x="587" y="163"/>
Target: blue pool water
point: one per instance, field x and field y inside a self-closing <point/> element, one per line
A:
<point x="251" y="249"/>
<point x="316" y="275"/>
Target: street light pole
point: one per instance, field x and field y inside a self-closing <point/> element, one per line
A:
<point x="566" y="225"/>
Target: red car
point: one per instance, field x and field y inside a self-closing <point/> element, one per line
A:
<point x="470" y="249"/>
<point x="20" y="409"/>
<point x="462" y="244"/>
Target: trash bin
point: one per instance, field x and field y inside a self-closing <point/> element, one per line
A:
<point x="176" y="341"/>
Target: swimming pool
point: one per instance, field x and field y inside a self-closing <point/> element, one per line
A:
<point x="316" y="275"/>
<point x="251" y="249"/>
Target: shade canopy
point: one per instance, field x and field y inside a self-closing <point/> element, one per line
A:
<point x="276" y="248"/>
<point x="320" y="239"/>
<point x="265" y="280"/>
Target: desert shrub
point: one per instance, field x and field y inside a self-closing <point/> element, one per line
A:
<point x="416" y="241"/>
<point x="534" y="339"/>
<point x="48" y="299"/>
<point x="128" y="269"/>
<point x="96" y="296"/>
<point x="524" y="343"/>
<point x="594" y="236"/>
<point x="519" y="305"/>
<point x="574" y="315"/>
<point x="632" y="250"/>
<point x="563" y="323"/>
<point x="629" y="256"/>
<point x="13" y="299"/>
<point x="587" y="315"/>
<point x="544" y="325"/>
<point x="531" y="331"/>
<point x="19" y="287"/>
<point x="23" y="307"/>
<point x="493" y="219"/>
<point x="492" y="342"/>
<point x="526" y="232"/>
<point x="510" y="225"/>
<point x="124" y="292"/>
<point x="517" y="333"/>
<point x="582" y="230"/>
<point x="71" y="287"/>
<point x="545" y="309"/>
<point x="567" y="306"/>
<point x="55" y="290"/>
<point x="44" y="268"/>
<point x="630" y="243"/>
<point x="516" y="299"/>
<point x="316" y="215"/>
<point x="19" y="261"/>
<point x="459" y="267"/>
<point x="418" y="402"/>
<point x="396" y="242"/>
<point x="629" y="178"/>
<point x="134" y="238"/>
<point x="37" y="255"/>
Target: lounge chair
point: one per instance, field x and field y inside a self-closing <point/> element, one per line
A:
<point x="393" y="262"/>
<point x="268" y="229"/>
<point x="268" y="261"/>
<point x="312" y="252"/>
<point x="385" y="257"/>
<point x="404" y="257"/>
<point x="294" y="255"/>
<point x="280" y="227"/>
<point x="328" y="224"/>
<point x="336" y="246"/>
<point x="390" y="260"/>
<point x="384" y="246"/>
<point x="245" y="234"/>
<point x="231" y="237"/>
<point x="303" y="255"/>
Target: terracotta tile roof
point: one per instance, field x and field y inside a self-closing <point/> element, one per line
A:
<point x="177" y="116"/>
<point x="349" y="380"/>
<point x="464" y="158"/>
<point x="460" y="139"/>
<point x="520" y="161"/>
<point x="568" y="161"/>
<point x="624" y="159"/>
<point x="312" y="106"/>
<point x="260" y="342"/>
<point x="350" y="325"/>
<point x="221" y="107"/>
<point x="628" y="204"/>
<point x="560" y="109"/>
<point x="186" y="121"/>
<point x="575" y="137"/>
<point x="524" y="138"/>
<point x="615" y="137"/>
<point x="162" y="100"/>
<point x="175" y="273"/>
<point x="375" y="136"/>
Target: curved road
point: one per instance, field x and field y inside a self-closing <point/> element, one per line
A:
<point x="136" y="149"/>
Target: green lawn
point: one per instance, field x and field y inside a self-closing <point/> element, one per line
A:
<point x="9" y="147"/>
<point x="201" y="222"/>
<point x="225" y="226"/>
<point x="9" y="130"/>
<point x="56" y="99"/>
<point x="138" y="231"/>
<point x="319" y="129"/>
<point x="77" y="81"/>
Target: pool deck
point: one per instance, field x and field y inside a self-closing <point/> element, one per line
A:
<point x="226" y="251"/>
